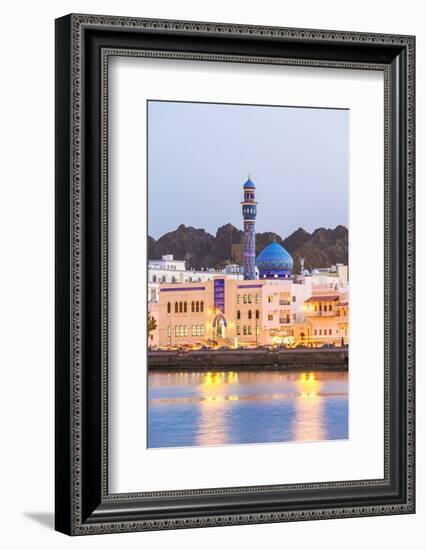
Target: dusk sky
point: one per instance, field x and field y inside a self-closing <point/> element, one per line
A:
<point x="199" y="156"/>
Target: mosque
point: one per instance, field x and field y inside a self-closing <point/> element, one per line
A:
<point x="270" y="305"/>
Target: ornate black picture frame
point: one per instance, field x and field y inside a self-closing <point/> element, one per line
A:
<point x="84" y="44"/>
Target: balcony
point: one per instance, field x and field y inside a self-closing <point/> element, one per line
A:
<point x="311" y="313"/>
<point x="285" y="303"/>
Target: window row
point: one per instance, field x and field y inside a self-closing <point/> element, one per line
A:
<point x="323" y="332"/>
<point x="249" y="314"/>
<point x="183" y="330"/>
<point x="173" y="279"/>
<point x="182" y="307"/>
<point x="247" y="298"/>
<point x="324" y="307"/>
<point x="247" y="330"/>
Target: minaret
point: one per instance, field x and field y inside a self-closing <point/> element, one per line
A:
<point x="249" y="217"/>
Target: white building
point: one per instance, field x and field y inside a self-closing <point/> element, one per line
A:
<point x="168" y="270"/>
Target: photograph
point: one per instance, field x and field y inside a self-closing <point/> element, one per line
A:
<point x="248" y="274"/>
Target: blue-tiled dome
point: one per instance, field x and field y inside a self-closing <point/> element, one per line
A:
<point x="274" y="262"/>
<point x="249" y="184"/>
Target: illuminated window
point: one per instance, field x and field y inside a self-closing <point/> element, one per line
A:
<point x="245" y="330"/>
<point x="177" y="330"/>
<point x="257" y="298"/>
<point x="270" y="316"/>
<point x="202" y="330"/>
<point x="249" y="298"/>
<point x="238" y="330"/>
<point x="270" y="299"/>
<point x="257" y="331"/>
<point x="249" y="329"/>
<point x="198" y="330"/>
<point x="169" y="330"/>
<point x="193" y="330"/>
<point x="245" y="298"/>
<point x="238" y="299"/>
<point x="169" y="307"/>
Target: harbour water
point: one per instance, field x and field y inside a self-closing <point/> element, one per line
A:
<point x="236" y="407"/>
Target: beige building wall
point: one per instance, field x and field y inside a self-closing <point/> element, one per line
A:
<point x="257" y="312"/>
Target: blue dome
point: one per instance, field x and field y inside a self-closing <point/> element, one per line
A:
<point x="274" y="262"/>
<point x="249" y="184"/>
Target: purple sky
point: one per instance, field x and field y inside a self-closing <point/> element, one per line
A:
<point x="200" y="155"/>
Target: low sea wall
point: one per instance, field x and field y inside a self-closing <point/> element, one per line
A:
<point x="286" y="359"/>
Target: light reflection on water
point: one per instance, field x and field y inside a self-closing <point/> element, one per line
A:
<point x="222" y="408"/>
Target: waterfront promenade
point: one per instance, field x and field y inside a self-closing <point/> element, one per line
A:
<point x="247" y="359"/>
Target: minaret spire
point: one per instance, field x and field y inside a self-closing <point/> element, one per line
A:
<point x="249" y="210"/>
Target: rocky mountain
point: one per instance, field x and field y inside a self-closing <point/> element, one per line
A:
<point x="322" y="248"/>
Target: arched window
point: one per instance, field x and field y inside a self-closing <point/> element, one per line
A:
<point x="197" y="307"/>
<point x="180" y="307"/>
<point x="176" y="307"/>
<point x="257" y="314"/>
<point x="173" y="279"/>
<point x="245" y="298"/>
<point x="185" y="307"/>
<point x="238" y="314"/>
<point x="249" y="313"/>
<point x="154" y="278"/>
<point x="201" y="306"/>
<point x="163" y="278"/>
<point x="169" y="307"/>
<point x="192" y="307"/>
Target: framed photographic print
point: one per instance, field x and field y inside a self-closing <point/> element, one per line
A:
<point x="234" y="274"/>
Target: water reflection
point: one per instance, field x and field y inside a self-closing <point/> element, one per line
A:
<point x="219" y="408"/>
<point x="309" y="420"/>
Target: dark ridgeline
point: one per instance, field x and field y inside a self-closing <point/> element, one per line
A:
<point x="322" y="248"/>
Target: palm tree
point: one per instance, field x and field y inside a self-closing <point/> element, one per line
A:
<point x="152" y="324"/>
